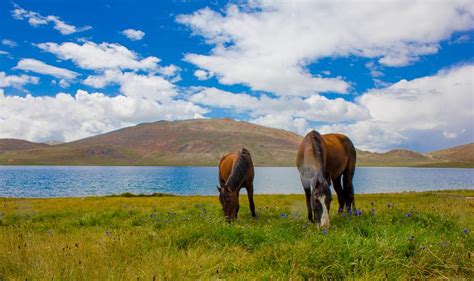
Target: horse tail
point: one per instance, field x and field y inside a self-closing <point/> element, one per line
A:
<point x="239" y="169"/>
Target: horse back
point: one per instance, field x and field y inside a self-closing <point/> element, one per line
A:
<point x="341" y="154"/>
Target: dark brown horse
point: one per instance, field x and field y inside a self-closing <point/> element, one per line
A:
<point x="235" y="171"/>
<point x="323" y="159"/>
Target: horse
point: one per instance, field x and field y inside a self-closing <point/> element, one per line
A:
<point x="235" y="171"/>
<point x="323" y="159"/>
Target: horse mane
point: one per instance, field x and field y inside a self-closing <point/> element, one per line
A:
<point x="316" y="140"/>
<point x="239" y="169"/>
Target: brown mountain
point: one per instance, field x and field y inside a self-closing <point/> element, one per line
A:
<point x="200" y="142"/>
<point x="16" y="144"/>
<point x="461" y="153"/>
<point x="188" y="142"/>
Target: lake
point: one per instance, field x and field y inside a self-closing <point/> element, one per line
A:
<point x="76" y="181"/>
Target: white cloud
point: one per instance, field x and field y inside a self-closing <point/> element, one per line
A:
<point x="135" y="85"/>
<point x="67" y="117"/>
<point x="428" y="110"/>
<point x="133" y="34"/>
<point x="4" y="52"/>
<point x="63" y="83"/>
<point x="9" y="43"/>
<point x="35" y="19"/>
<point x="297" y="125"/>
<point x="16" y="81"/>
<point x="267" y="45"/>
<point x="314" y="108"/>
<point x="102" y="56"/>
<point x="43" y="68"/>
<point x="203" y="75"/>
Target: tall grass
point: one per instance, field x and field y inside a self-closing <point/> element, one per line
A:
<point x="408" y="235"/>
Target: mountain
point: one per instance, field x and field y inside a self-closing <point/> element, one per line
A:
<point x="462" y="153"/>
<point x="16" y="144"/>
<point x="203" y="142"/>
<point x="188" y="142"/>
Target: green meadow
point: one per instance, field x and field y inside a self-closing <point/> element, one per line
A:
<point x="404" y="235"/>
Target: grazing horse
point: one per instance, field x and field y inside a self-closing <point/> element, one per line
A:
<point x="235" y="171"/>
<point x="323" y="159"/>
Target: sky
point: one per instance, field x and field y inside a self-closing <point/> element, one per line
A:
<point x="389" y="74"/>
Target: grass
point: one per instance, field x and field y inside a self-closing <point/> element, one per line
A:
<point x="405" y="235"/>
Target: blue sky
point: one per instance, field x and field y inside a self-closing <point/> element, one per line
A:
<point x="389" y="75"/>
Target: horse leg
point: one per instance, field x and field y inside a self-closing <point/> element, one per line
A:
<point x="307" y="191"/>
<point x="250" y="195"/>
<point x="348" y="189"/>
<point x="340" y="193"/>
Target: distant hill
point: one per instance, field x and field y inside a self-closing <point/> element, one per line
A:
<point x="188" y="142"/>
<point x="202" y="142"/>
<point x="462" y="153"/>
<point x="16" y="144"/>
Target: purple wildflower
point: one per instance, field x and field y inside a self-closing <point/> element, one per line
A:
<point x="324" y="231"/>
<point x="358" y="212"/>
<point x="408" y="214"/>
<point x="466" y="231"/>
<point x="283" y="216"/>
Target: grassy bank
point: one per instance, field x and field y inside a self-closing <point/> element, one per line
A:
<point x="397" y="236"/>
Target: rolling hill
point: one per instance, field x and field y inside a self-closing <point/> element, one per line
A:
<point x="201" y="142"/>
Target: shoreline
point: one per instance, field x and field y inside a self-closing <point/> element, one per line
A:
<point x="171" y="195"/>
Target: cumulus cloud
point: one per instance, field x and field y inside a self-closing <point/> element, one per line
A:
<point x="102" y="56"/>
<point x="268" y="45"/>
<point x="66" y="117"/>
<point x="136" y="85"/>
<point x="291" y="113"/>
<point x="203" y="75"/>
<point x="9" y="43"/>
<point x="16" y="81"/>
<point x="43" y="68"/>
<point x="133" y="34"/>
<point x="429" y="112"/>
<point x="35" y="19"/>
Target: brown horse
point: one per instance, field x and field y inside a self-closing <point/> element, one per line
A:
<point x="235" y="171"/>
<point x="323" y="159"/>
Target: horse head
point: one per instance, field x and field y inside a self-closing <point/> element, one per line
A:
<point x="229" y="201"/>
<point x="321" y="199"/>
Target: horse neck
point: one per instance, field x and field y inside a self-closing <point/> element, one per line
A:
<point x="238" y="172"/>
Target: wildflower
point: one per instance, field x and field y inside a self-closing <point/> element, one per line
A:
<point x="283" y="216"/>
<point x="388" y="205"/>
<point x="411" y="238"/>
<point x="466" y="231"/>
<point x="358" y="212"/>
<point x="107" y="232"/>
<point x="372" y="211"/>
<point x="324" y="231"/>
<point x="408" y="214"/>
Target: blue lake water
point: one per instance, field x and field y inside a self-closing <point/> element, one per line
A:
<point x="74" y="181"/>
